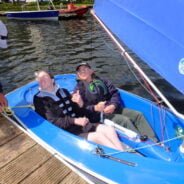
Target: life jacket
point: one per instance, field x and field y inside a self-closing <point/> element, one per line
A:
<point x="60" y="100"/>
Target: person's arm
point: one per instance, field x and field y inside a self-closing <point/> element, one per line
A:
<point x="76" y="87"/>
<point x="76" y="98"/>
<point x="76" y="95"/>
<point x="85" y="111"/>
<point x="114" y="96"/>
<point x="89" y="107"/>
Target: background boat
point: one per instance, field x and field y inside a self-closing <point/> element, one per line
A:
<point x="73" y="11"/>
<point x="34" y="15"/>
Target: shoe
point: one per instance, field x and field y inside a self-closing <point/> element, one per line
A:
<point x="143" y="137"/>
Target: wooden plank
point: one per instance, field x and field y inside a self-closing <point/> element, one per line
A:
<point x="23" y="161"/>
<point x="23" y="165"/>
<point x="73" y="178"/>
<point x="7" y="131"/>
<point x="14" y="148"/>
<point x="51" y="172"/>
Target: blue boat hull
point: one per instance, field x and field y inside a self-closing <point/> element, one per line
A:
<point x="34" y="15"/>
<point x="81" y="153"/>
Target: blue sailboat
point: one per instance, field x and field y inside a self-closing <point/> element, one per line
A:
<point x="34" y="15"/>
<point x="157" y="43"/>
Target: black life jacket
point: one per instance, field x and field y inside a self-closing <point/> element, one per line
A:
<point x="60" y="102"/>
<point x="65" y="103"/>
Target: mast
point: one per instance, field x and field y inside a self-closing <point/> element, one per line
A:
<point x="52" y="4"/>
<point x="38" y="6"/>
<point x="125" y="54"/>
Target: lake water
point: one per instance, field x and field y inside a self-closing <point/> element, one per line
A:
<point x="60" y="46"/>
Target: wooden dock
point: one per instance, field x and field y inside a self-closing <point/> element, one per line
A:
<point x="23" y="161"/>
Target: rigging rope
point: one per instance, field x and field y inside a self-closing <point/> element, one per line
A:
<point x="148" y="88"/>
<point x="147" y="146"/>
<point x="145" y="85"/>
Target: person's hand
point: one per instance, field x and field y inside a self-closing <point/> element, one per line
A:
<point x="76" y="97"/>
<point x="81" y="121"/>
<point x="100" y="106"/>
<point x="3" y="102"/>
<point x="109" y="109"/>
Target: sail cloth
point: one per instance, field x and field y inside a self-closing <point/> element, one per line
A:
<point x="154" y="30"/>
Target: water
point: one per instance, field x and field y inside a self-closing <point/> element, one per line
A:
<point x="60" y="46"/>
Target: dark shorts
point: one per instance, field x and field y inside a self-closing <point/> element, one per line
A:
<point x="78" y="130"/>
<point x="88" y="129"/>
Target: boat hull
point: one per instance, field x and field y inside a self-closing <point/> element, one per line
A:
<point x="34" y="15"/>
<point x="81" y="154"/>
<point x="73" y="13"/>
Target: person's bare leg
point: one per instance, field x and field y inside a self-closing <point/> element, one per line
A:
<point x="110" y="133"/>
<point x="100" y="138"/>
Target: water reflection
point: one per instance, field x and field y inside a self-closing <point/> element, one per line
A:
<point x="59" y="46"/>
